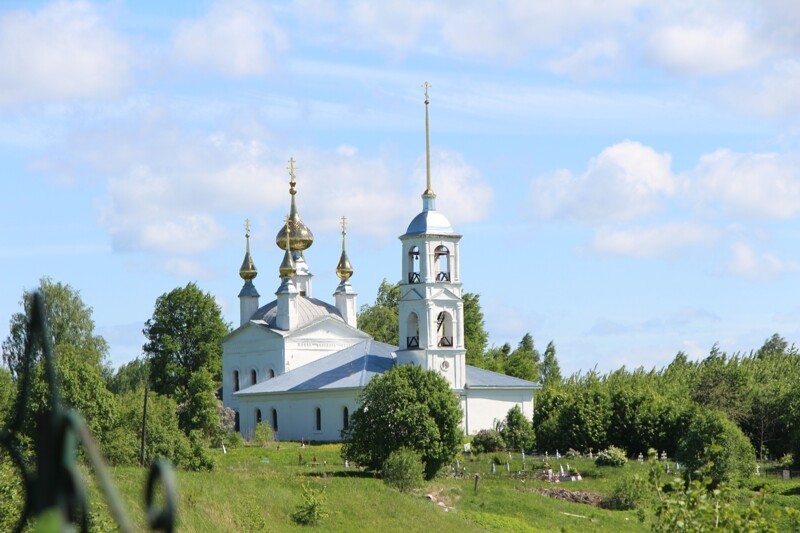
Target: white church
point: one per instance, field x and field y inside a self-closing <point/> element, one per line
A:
<point x="300" y="363"/>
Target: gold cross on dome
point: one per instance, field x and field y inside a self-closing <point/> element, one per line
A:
<point x="247" y="227"/>
<point x="427" y="86"/>
<point x="343" y="223"/>
<point x="291" y="168"/>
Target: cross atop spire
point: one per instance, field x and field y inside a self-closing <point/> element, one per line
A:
<point x="343" y="224"/>
<point x="247" y="228"/>
<point x="292" y="179"/>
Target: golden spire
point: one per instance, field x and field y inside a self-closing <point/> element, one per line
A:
<point x="344" y="269"/>
<point x="287" y="268"/>
<point x="248" y="270"/>
<point x="428" y="191"/>
<point x="301" y="236"/>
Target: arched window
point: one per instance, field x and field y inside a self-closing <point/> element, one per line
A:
<point x="441" y="256"/>
<point x="271" y="373"/>
<point x="318" y="419"/>
<point x="413" y="265"/>
<point x="345" y="418"/>
<point x="236" y="421"/>
<point x="253" y="377"/>
<point x="258" y="416"/>
<point x="444" y="329"/>
<point x="235" y="380"/>
<point x="412" y="330"/>
<point x="274" y="420"/>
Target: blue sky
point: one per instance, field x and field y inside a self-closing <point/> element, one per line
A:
<point x="625" y="173"/>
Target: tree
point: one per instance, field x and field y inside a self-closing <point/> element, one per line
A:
<point x="523" y="362"/>
<point x="130" y="376"/>
<point x="475" y="336"/>
<point x="184" y="336"/>
<point x="380" y="320"/>
<point x="70" y="321"/>
<point x="197" y="406"/>
<point x="405" y="407"/>
<point x="551" y="372"/>
<point x="517" y="431"/>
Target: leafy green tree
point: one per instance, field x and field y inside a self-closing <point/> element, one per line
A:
<point x="495" y="358"/>
<point x="184" y="336"/>
<point x="403" y="470"/>
<point x="517" y="431"/>
<point x="8" y="394"/>
<point x="129" y="377"/>
<point x="715" y="447"/>
<point x="405" y="407"/>
<point x="380" y="320"/>
<point x="722" y="384"/>
<point x="551" y="371"/>
<point x="475" y="335"/>
<point x="70" y="321"/>
<point x="197" y="406"/>
<point x="523" y="362"/>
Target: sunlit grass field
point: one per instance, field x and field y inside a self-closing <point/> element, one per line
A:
<point x="258" y="489"/>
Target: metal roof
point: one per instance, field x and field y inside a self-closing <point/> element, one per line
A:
<point x="429" y="222"/>
<point x="482" y="378"/>
<point x="350" y="368"/>
<point x="308" y="310"/>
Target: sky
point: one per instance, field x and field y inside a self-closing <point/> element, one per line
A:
<point x="624" y="173"/>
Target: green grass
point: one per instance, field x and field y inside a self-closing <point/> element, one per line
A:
<point x="257" y="489"/>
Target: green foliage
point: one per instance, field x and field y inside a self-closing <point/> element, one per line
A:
<point x="475" y="335"/>
<point x="197" y="406"/>
<point x="70" y="322"/>
<point x="131" y="376"/>
<point x="263" y="434"/>
<point x="523" y="362"/>
<point x="8" y="395"/>
<point x="628" y="493"/>
<point x="487" y="441"/>
<point x="551" y="371"/>
<point x="405" y="407"/>
<point x="517" y="430"/>
<point x="611" y="456"/>
<point x="184" y="336"/>
<point x="380" y="320"/>
<point x="312" y="510"/>
<point x="403" y="470"/>
<point x="714" y="446"/>
<point x="12" y="493"/>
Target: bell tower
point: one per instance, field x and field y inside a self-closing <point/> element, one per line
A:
<point x="431" y="310"/>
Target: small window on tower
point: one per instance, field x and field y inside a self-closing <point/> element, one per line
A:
<point x="441" y="257"/>
<point x="413" y="265"/>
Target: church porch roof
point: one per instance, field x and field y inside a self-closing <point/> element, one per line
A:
<point x="480" y="378"/>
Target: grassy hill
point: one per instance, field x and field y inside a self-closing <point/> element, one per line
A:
<point x="258" y="489"/>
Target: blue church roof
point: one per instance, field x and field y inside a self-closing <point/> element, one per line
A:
<point x="429" y="222"/>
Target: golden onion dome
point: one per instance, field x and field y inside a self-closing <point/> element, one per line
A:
<point x="295" y="229"/>
<point x="248" y="270"/>
<point x="344" y="269"/>
<point x="287" y="268"/>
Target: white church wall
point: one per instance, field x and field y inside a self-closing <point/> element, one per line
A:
<point x="297" y="414"/>
<point x="316" y="342"/>
<point x="252" y="348"/>
<point x="485" y="406"/>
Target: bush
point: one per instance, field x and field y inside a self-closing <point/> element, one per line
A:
<point x="487" y="441"/>
<point x="715" y="447"/>
<point x="517" y="431"/>
<point x="12" y="493"/>
<point x="627" y="494"/>
<point x="787" y="461"/>
<point x="403" y="469"/>
<point x="612" y="456"/>
<point x="312" y="510"/>
<point x="263" y="434"/>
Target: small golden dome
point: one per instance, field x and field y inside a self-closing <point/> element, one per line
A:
<point x="344" y="269"/>
<point x="287" y="268"/>
<point x="248" y="270"/>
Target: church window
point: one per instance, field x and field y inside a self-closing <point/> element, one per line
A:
<point x="412" y="328"/>
<point x="274" y="420"/>
<point x="271" y="373"/>
<point x="253" y="377"/>
<point x="235" y="380"/>
<point x="318" y="419"/>
<point x="444" y="329"/>
<point x="345" y="418"/>
<point x="413" y="265"/>
<point x="236" y="421"/>
<point x="258" y="416"/>
<point x="441" y="257"/>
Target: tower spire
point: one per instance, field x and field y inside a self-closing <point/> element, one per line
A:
<point x="344" y="269"/>
<point x="428" y="196"/>
<point x="248" y="296"/>
<point x="301" y="236"/>
<point x="248" y="270"/>
<point x="287" y="268"/>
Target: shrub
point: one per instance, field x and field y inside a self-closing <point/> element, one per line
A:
<point x="312" y="509"/>
<point x="487" y="441"/>
<point x="12" y="494"/>
<point x="611" y="456"/>
<point x="517" y="431"/>
<point x="263" y="434"/>
<point x="787" y="461"/>
<point x="627" y="494"/>
<point x="498" y="460"/>
<point x="403" y="469"/>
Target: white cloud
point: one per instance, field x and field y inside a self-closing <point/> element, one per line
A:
<point x="63" y="51"/>
<point x="654" y="241"/>
<point x="625" y="181"/>
<point x="758" y="266"/>
<point x="717" y="48"/>
<point x="763" y="185"/>
<point x="237" y="37"/>
<point x="596" y="59"/>
<point x="775" y="94"/>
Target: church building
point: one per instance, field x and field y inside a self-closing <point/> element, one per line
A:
<point x="300" y="363"/>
